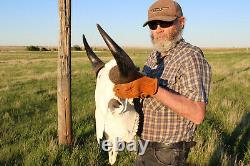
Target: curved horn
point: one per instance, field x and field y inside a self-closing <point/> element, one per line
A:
<point x="124" y="62"/>
<point x="97" y="64"/>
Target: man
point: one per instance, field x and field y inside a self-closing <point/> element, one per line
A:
<point x="175" y="88"/>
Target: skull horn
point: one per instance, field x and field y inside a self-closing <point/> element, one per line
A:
<point x="125" y="64"/>
<point x="97" y="64"/>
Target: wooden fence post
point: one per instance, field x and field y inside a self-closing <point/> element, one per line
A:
<point x="64" y="74"/>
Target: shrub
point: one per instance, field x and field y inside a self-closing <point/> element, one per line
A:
<point x="76" y="48"/>
<point x="44" y="49"/>
<point x="32" y="48"/>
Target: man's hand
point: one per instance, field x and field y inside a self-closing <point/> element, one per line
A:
<point x="140" y="88"/>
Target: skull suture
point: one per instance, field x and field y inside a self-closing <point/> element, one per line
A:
<point x="115" y="117"/>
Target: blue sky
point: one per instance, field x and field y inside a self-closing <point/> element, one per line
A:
<point x="221" y="23"/>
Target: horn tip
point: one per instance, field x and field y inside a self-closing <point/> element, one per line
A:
<point x="84" y="39"/>
<point x="99" y="27"/>
<point x="83" y="36"/>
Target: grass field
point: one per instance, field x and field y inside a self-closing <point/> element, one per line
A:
<point x="28" y="111"/>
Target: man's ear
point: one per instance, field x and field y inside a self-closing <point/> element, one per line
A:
<point x="182" y="21"/>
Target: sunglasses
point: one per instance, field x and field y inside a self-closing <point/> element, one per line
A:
<point x="163" y="24"/>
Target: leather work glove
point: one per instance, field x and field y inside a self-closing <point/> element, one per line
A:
<point x="140" y="88"/>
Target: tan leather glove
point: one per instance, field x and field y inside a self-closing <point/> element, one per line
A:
<point x="140" y="88"/>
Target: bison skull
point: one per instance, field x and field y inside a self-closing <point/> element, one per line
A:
<point x="115" y="117"/>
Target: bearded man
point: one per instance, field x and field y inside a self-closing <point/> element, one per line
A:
<point x="174" y="91"/>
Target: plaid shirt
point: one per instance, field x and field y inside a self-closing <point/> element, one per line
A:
<point x="182" y="69"/>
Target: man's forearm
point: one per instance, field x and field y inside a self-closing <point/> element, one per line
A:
<point x="194" y="111"/>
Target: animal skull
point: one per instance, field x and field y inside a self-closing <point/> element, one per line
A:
<point x="115" y="117"/>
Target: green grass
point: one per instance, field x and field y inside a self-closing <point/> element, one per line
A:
<point x="28" y="111"/>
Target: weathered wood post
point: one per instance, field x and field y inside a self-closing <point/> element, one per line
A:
<point x="64" y="74"/>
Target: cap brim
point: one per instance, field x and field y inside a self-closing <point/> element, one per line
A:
<point x="170" y="18"/>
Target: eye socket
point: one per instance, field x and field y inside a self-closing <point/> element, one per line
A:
<point x="113" y="103"/>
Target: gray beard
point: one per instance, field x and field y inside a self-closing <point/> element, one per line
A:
<point x="167" y="44"/>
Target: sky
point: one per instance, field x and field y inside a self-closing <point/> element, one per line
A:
<point x="211" y="23"/>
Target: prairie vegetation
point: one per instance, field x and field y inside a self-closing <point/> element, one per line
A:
<point x="28" y="111"/>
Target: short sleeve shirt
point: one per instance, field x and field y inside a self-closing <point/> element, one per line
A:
<point x="182" y="70"/>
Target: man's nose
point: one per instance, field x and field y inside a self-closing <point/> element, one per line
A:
<point x="159" y="28"/>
